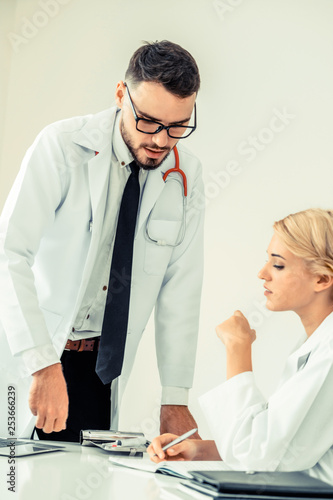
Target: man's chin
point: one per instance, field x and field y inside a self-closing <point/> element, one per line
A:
<point x="151" y="163"/>
<point x="149" y="167"/>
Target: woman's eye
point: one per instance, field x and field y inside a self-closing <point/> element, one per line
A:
<point x="278" y="267"/>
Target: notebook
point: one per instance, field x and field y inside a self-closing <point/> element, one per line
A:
<point x="181" y="469"/>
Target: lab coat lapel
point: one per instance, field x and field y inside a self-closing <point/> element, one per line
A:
<point x="99" y="141"/>
<point x="152" y="190"/>
<point x="99" y="171"/>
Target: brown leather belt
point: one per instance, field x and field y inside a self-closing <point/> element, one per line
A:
<point x="82" y="345"/>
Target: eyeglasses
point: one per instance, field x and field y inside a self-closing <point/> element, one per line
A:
<point x="152" y="127"/>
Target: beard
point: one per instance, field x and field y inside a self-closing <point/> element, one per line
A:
<point x="151" y="163"/>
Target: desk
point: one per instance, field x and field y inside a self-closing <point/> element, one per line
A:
<point x="78" y="473"/>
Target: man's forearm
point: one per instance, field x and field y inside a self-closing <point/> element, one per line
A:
<point x="176" y="419"/>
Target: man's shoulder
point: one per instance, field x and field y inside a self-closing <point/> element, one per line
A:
<point x="186" y="152"/>
<point x="188" y="161"/>
<point x="76" y="123"/>
<point x="91" y="131"/>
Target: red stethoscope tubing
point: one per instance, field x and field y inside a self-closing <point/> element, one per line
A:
<point x="178" y="170"/>
<point x="174" y="169"/>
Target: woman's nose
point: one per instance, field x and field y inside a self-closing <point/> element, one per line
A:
<point x="263" y="273"/>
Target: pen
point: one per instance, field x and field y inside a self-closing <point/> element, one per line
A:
<point x="178" y="440"/>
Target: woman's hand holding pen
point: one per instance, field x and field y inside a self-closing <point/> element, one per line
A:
<point x="190" y="449"/>
<point x="186" y="450"/>
<point x="237" y="336"/>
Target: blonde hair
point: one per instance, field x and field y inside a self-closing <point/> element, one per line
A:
<point x="309" y="235"/>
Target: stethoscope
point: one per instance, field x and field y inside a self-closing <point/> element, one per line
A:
<point x="181" y="235"/>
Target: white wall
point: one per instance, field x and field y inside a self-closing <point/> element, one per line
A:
<point x="259" y="59"/>
<point x="7" y="16"/>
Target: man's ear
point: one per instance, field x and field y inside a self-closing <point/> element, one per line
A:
<point x="120" y="93"/>
<point x="324" y="282"/>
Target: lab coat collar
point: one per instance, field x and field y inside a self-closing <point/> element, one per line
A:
<point x="322" y="333"/>
<point x="97" y="132"/>
<point x="120" y="149"/>
<point x="322" y="338"/>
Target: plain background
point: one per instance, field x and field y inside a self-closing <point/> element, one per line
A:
<point x="259" y="59"/>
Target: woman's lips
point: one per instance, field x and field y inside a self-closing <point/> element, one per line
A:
<point x="267" y="291"/>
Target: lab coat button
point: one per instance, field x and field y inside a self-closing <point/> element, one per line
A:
<point x="105" y="287"/>
<point x="123" y="163"/>
<point x="88" y="316"/>
<point x="73" y="329"/>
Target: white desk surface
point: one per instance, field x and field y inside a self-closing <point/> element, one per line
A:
<point x="79" y="473"/>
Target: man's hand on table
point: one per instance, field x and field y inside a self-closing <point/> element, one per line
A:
<point x="48" y="398"/>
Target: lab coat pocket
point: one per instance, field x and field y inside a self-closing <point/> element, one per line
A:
<point x="160" y="241"/>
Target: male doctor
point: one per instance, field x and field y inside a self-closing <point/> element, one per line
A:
<point x="92" y="238"/>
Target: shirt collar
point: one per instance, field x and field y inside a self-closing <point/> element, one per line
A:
<point x="120" y="149"/>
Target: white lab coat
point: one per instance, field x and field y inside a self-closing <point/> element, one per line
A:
<point x="49" y="241"/>
<point x="291" y="431"/>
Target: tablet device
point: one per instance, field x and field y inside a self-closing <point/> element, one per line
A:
<point x="22" y="448"/>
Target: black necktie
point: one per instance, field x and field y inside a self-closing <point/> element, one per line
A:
<point x="114" y="330"/>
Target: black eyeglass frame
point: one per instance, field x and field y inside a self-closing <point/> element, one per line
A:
<point x="160" y="125"/>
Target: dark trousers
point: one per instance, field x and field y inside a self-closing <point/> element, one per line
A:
<point x="89" y="398"/>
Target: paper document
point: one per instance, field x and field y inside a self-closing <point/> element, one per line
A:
<point x="171" y="468"/>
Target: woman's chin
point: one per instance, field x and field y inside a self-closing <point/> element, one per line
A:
<point x="270" y="306"/>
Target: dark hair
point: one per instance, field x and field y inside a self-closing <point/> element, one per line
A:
<point x="166" y="63"/>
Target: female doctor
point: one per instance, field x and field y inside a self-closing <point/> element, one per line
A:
<point x="293" y="430"/>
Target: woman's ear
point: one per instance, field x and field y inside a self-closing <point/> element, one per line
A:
<point x="323" y="282"/>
